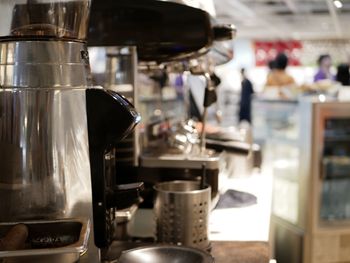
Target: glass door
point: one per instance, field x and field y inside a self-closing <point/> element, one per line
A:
<point x="335" y="170"/>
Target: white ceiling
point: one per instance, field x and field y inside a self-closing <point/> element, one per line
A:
<point x="286" y="19"/>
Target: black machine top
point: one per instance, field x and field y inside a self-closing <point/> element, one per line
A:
<point x="161" y="31"/>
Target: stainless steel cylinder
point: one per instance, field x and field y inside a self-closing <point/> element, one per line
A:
<point x="44" y="146"/>
<point x="54" y="19"/>
<point x="44" y="153"/>
<point x="182" y="212"/>
<point x="44" y="64"/>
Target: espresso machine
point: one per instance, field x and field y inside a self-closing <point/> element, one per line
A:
<point x="56" y="134"/>
<point x="160" y="36"/>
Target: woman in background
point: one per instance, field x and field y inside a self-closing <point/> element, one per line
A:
<point x="324" y="68"/>
<point x="278" y="75"/>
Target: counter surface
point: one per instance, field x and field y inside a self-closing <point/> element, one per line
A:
<point x="251" y="223"/>
<point x="240" y="252"/>
<point x="242" y="234"/>
<point x="236" y="234"/>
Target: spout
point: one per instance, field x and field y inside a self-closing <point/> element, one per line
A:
<point x="111" y="117"/>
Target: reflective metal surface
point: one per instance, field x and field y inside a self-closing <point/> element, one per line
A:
<point x="44" y="18"/>
<point x="49" y="241"/>
<point x="43" y="64"/>
<point x="182" y="213"/>
<point x="162" y="253"/>
<point x="44" y="155"/>
<point x="44" y="148"/>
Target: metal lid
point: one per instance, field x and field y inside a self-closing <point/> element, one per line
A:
<point x="44" y="19"/>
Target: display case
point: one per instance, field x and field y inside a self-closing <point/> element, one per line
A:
<point x="274" y="119"/>
<point x="307" y="148"/>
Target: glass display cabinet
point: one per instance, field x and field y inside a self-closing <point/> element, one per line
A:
<point x="307" y="148"/>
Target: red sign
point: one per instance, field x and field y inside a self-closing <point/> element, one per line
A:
<point x="266" y="51"/>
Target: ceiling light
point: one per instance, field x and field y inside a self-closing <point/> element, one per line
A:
<point x="338" y="3"/>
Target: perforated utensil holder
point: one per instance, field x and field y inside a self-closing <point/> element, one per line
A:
<point x="182" y="211"/>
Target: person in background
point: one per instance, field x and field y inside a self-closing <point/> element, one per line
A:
<point x="278" y="75"/>
<point x="271" y="65"/>
<point x="343" y="74"/>
<point x="324" y="68"/>
<point x="245" y="102"/>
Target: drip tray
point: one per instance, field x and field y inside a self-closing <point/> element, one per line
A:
<point x="44" y="241"/>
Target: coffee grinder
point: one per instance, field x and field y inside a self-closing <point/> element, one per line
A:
<point x="56" y="132"/>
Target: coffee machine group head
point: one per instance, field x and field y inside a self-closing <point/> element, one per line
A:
<point x="55" y="127"/>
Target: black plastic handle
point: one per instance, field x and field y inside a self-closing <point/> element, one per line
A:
<point x="224" y="32"/>
<point x="110" y="117"/>
<point x="210" y="91"/>
<point x="209" y="96"/>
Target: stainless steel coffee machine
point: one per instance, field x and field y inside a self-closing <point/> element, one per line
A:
<point x="56" y="130"/>
<point x="160" y="35"/>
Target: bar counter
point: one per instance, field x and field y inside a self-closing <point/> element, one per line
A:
<point x="240" y="251"/>
<point x="237" y="235"/>
<point x="241" y="235"/>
